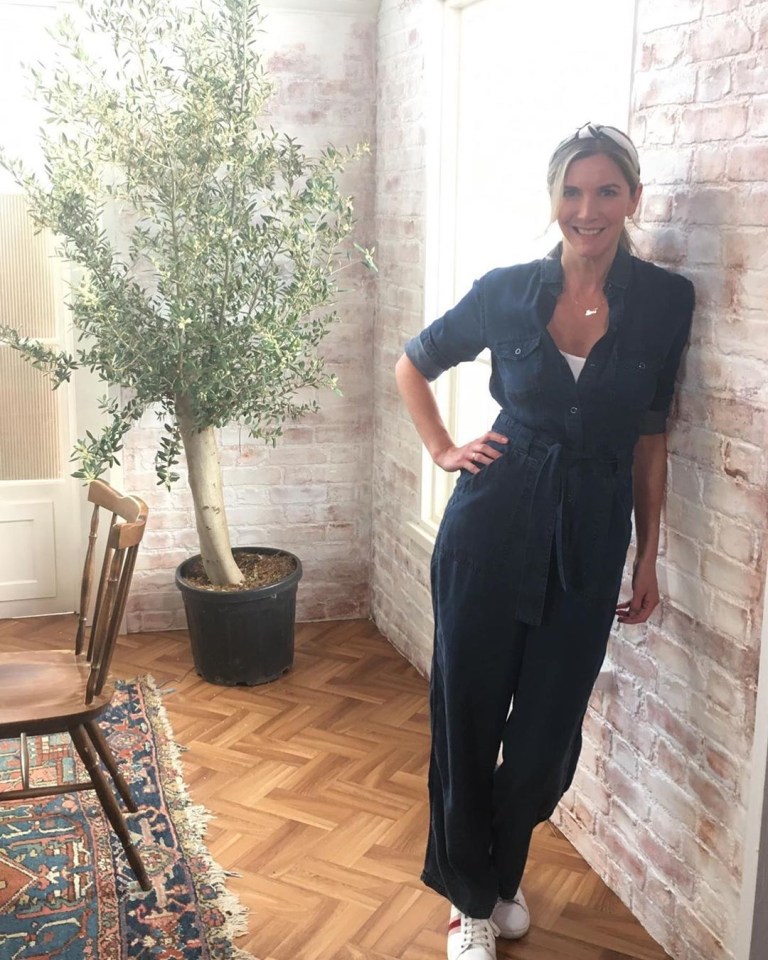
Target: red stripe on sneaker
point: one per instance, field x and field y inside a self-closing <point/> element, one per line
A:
<point x="454" y="925"/>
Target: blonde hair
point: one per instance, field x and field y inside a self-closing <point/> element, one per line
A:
<point x="576" y="149"/>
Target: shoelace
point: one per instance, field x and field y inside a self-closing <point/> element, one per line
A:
<point x="477" y="933"/>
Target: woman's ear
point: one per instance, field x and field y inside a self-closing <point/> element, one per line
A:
<point x="634" y="199"/>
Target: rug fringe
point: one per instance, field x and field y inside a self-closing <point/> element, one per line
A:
<point x="193" y="818"/>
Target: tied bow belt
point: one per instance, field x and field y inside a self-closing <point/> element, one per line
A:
<point x="550" y="489"/>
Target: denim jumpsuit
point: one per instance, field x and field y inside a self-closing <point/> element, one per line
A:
<point x="529" y="557"/>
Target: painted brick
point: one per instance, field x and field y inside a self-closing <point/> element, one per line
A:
<point x="667" y="166"/>
<point x="678" y="659"/>
<point x="758" y="117"/>
<point x="667" y="827"/>
<point x="716" y="38"/>
<point x="713" y="123"/>
<point x="655" y="16"/>
<point x="748" y="162"/>
<point x="661" y="125"/>
<point x="664" y="244"/>
<point x="733" y="418"/>
<point x="719" y="904"/>
<point x="671" y="761"/>
<point x="737" y="542"/>
<point x="626" y="756"/>
<point x="722" y="693"/>
<point x="626" y="788"/>
<point x="669" y="866"/>
<point x="659" y="892"/>
<point x="678" y="729"/>
<point x="636" y="662"/>
<point x="724" y="728"/>
<point x="693" y="930"/>
<point x="716" y="838"/>
<point x="705" y="246"/>
<point x="709" y="164"/>
<point x="683" y="478"/>
<point x="731" y="498"/>
<point x="750" y="76"/>
<point x="656" y="207"/>
<point x="660" y="87"/>
<point x="682" y="551"/>
<point x="733" y="620"/>
<point x="689" y="593"/>
<point x="730" y="577"/>
<point x="583" y="814"/>
<point x="632" y="865"/>
<point x="753" y="290"/>
<point x="723" y="766"/>
<point x="690" y="406"/>
<point x="711" y="205"/>
<point x="713" y="81"/>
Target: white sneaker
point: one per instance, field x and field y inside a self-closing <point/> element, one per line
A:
<point x="511" y="917"/>
<point x="470" y="939"/>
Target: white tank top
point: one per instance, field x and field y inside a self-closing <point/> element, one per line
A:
<point x="575" y="363"/>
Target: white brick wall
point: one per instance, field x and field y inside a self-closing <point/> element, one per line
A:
<point x="400" y="586"/>
<point x="310" y="494"/>
<point x="658" y="805"/>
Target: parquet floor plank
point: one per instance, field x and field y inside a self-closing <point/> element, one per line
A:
<point x="317" y="786"/>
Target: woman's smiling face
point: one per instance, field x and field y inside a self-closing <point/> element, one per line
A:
<point x="595" y="203"/>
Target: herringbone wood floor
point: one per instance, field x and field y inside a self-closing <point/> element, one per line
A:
<point x="317" y="783"/>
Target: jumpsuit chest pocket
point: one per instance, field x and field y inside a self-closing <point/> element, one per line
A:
<point x="636" y="378"/>
<point x="518" y="363"/>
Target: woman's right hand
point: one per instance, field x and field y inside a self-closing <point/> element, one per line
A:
<point x="472" y="456"/>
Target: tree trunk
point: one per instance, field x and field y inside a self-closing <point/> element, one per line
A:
<point x="205" y="483"/>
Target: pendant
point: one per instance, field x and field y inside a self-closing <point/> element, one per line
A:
<point x="591" y="313"/>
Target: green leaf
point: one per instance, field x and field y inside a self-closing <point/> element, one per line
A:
<point x="218" y="278"/>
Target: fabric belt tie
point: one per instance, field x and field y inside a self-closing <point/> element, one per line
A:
<point x="550" y="485"/>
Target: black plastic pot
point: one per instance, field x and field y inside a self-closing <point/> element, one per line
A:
<point x="241" y="636"/>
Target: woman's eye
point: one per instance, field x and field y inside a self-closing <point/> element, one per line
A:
<point x="570" y="192"/>
<point x="609" y="192"/>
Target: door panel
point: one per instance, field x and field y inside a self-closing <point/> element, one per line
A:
<point x="41" y="540"/>
<point x="27" y="564"/>
<point x="39" y="504"/>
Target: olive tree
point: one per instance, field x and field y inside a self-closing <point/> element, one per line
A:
<point x="205" y="244"/>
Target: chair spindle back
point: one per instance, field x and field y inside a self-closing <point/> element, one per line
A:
<point x="126" y="529"/>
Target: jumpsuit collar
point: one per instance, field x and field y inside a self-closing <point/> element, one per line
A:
<point x="618" y="275"/>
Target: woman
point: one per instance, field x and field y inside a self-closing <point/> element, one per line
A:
<point x="527" y="566"/>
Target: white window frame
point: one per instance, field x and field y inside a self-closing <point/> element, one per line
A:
<point x="443" y="75"/>
<point x="442" y="78"/>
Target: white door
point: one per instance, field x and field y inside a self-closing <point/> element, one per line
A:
<point x="39" y="502"/>
<point x="40" y="535"/>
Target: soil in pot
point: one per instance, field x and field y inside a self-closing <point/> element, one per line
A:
<point x="258" y="569"/>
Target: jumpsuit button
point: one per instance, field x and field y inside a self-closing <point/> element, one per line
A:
<point x="518" y="351"/>
<point x="574" y="409"/>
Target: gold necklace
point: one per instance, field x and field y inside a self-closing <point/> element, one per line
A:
<point x="588" y="311"/>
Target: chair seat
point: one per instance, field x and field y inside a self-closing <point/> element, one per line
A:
<point x="58" y="679"/>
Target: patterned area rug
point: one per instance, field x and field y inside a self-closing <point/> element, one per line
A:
<point x="66" y="890"/>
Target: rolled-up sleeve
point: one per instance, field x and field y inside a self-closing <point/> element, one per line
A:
<point x="654" y="420"/>
<point x="456" y="336"/>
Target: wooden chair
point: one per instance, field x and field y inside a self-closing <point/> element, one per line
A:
<point x="57" y="691"/>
